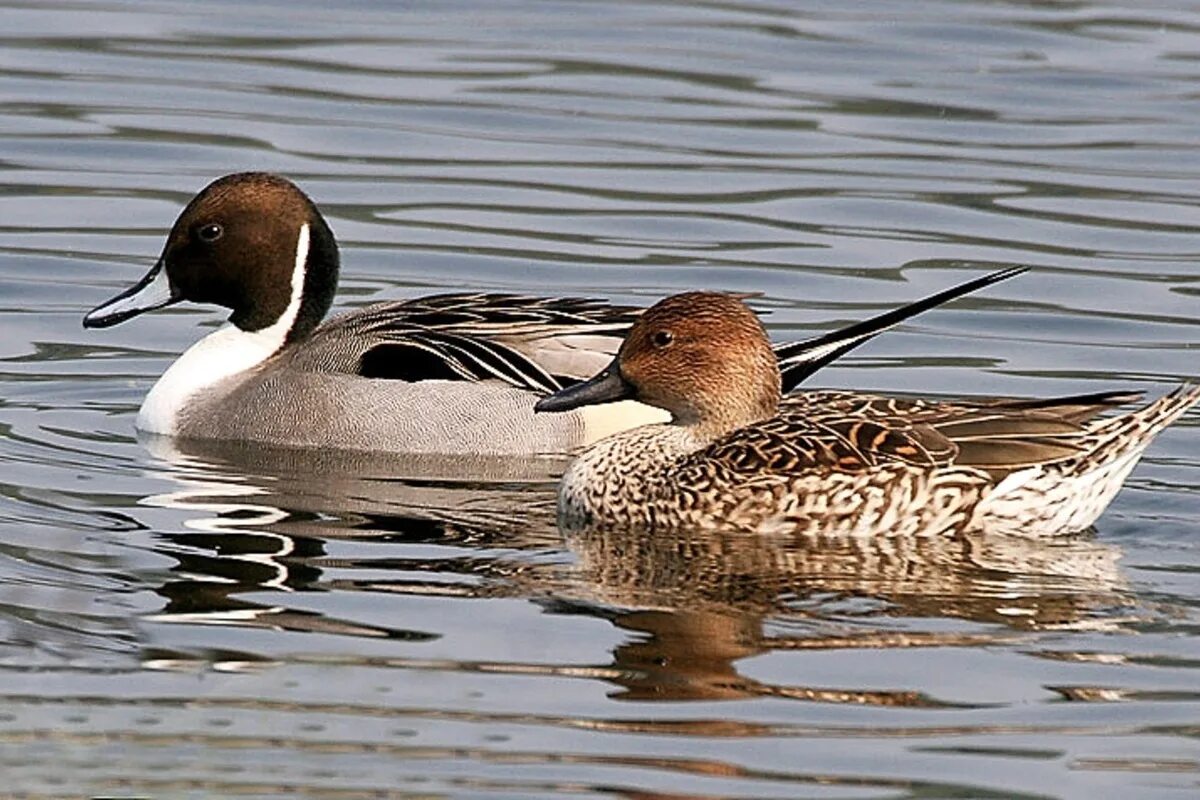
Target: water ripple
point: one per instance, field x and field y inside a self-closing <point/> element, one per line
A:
<point x="219" y="621"/>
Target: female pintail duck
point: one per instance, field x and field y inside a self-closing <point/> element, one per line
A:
<point x="736" y="456"/>
<point x="451" y="373"/>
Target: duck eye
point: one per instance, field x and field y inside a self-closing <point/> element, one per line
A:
<point x="663" y="338"/>
<point x="210" y="232"/>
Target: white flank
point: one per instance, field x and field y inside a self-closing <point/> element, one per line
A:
<point x="222" y="354"/>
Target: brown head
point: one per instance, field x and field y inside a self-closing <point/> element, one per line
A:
<point x="702" y="356"/>
<point x="251" y="242"/>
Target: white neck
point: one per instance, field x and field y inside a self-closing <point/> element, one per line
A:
<point x="222" y="354"/>
<point x="605" y="419"/>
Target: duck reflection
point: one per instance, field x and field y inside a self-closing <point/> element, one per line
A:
<point x="702" y="601"/>
<point x="276" y="523"/>
<point x="264" y="518"/>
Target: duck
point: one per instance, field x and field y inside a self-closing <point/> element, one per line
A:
<point x="737" y="455"/>
<point x="455" y="373"/>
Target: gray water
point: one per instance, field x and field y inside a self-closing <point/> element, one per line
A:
<point x="211" y="622"/>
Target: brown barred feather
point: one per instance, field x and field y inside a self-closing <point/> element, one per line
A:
<point x="737" y="456"/>
<point x="841" y="463"/>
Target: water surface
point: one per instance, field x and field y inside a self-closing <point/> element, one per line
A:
<point x="196" y="622"/>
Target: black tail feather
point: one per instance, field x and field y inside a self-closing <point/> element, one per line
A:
<point x="798" y="360"/>
<point x="1078" y="408"/>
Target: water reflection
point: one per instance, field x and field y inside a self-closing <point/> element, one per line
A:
<point x="701" y="600"/>
<point x="840" y="160"/>
<point x="344" y="494"/>
<point x="260" y="519"/>
<point x="693" y="604"/>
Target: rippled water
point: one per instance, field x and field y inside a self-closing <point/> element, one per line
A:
<point x="221" y="623"/>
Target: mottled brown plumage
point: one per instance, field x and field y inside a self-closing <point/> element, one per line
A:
<point x="736" y="456"/>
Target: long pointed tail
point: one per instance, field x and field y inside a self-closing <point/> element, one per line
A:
<point x="798" y="360"/>
<point x="1133" y="432"/>
<point x="1070" y="495"/>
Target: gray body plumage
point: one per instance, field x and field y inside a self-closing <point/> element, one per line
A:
<point x="316" y="409"/>
<point x="453" y="373"/>
<point x="494" y="351"/>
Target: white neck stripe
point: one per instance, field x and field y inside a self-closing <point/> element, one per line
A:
<point x="280" y="328"/>
<point x="222" y="354"/>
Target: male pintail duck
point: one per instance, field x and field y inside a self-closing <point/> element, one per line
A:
<point x="450" y="373"/>
<point x="736" y="456"/>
